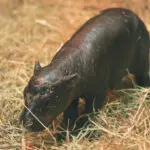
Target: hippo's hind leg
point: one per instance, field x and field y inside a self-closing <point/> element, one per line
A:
<point x="140" y="66"/>
<point x="140" y="63"/>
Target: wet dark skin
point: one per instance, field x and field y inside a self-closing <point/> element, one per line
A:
<point x="94" y="60"/>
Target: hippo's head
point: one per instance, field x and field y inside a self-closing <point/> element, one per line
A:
<point x="46" y="96"/>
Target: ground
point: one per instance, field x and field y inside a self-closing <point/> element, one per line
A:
<point x="34" y="30"/>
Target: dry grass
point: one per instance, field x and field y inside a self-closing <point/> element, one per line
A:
<point x="35" y="31"/>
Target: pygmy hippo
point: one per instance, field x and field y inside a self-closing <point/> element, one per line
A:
<point x="92" y="61"/>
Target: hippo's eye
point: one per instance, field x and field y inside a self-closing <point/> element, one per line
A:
<point x="52" y="89"/>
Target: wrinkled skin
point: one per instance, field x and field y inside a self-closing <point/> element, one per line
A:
<point x="94" y="60"/>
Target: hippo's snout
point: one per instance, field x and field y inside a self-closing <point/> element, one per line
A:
<point x="30" y="122"/>
<point x="26" y="119"/>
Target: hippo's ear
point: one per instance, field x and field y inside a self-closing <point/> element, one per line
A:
<point x="37" y="67"/>
<point x="67" y="82"/>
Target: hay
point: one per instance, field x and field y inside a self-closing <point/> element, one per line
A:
<point x="35" y="31"/>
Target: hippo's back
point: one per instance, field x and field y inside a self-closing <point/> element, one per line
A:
<point x="105" y="27"/>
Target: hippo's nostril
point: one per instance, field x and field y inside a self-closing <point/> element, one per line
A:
<point x="28" y="123"/>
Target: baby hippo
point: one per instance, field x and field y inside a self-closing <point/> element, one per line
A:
<point x="92" y="61"/>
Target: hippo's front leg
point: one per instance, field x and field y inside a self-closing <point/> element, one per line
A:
<point x="71" y="114"/>
<point x="93" y="104"/>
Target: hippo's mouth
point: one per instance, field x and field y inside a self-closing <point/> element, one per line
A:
<point x="34" y="123"/>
